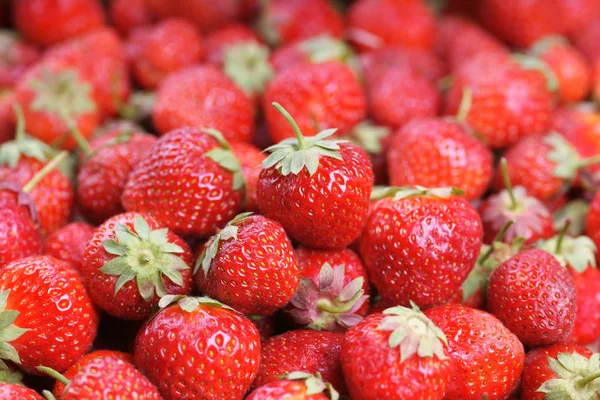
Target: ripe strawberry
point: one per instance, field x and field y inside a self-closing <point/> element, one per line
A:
<point x="11" y="391"/>
<point x="577" y="14"/>
<point x="198" y="348"/>
<point x="534" y="297"/>
<point x="68" y="243"/>
<point x="298" y="385"/>
<point x="247" y="65"/>
<point x="7" y="123"/>
<point x="487" y="359"/>
<point x="217" y="43"/>
<point x="374" y="139"/>
<point x="47" y="22"/>
<point x="305" y="350"/>
<point x="188" y="98"/>
<point x="249" y="265"/>
<point x="251" y="159"/>
<point x="317" y="188"/>
<point x="592" y="226"/>
<point x="16" y="55"/>
<point x="50" y="320"/>
<point x="320" y="96"/>
<point x="207" y="15"/>
<point x="131" y="262"/>
<point x="288" y="21"/>
<point x="399" y="353"/>
<point x="127" y="15"/>
<point x="191" y="182"/>
<point x="373" y="24"/>
<point x="561" y="371"/>
<point x="420" y="244"/>
<point x="440" y="152"/>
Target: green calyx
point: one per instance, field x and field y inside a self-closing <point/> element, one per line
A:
<point x="11" y="375"/>
<point x="546" y="43"/>
<point x="212" y="247"/>
<point x="145" y="256"/>
<point x="566" y="158"/>
<point x="576" y="213"/>
<point x="381" y="192"/>
<point x="323" y="48"/>
<point x="290" y="156"/>
<point x="9" y="332"/>
<point x="413" y="333"/>
<point x="534" y="63"/>
<point x="190" y="303"/>
<point x="247" y="64"/>
<point x="577" y="377"/>
<point x="225" y="158"/>
<point x="577" y="252"/>
<point x="265" y="26"/>
<point x="314" y="383"/>
<point x="368" y="136"/>
<point x="138" y="106"/>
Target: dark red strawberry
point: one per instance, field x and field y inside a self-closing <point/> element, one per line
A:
<point x="265" y="324"/>
<point x="126" y="15"/>
<point x="68" y="243"/>
<point x="16" y="55"/>
<point x="251" y="159"/>
<point x="207" y="15"/>
<point x="7" y="119"/>
<point x="298" y="385"/>
<point x="219" y="41"/>
<point x="11" y="391"/>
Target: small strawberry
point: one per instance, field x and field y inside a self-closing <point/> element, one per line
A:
<point x="11" y="391"/>
<point x="68" y="243"/>
<point x="251" y="159"/>
<point x="16" y="55"/>
<point x="249" y="265"/>
<point x="207" y="15"/>
<point x="223" y="38"/>
<point x="298" y="385"/>
<point x="487" y="359"/>
<point x="198" y="348"/>
<point x="317" y="188"/>
<point x="127" y="15"/>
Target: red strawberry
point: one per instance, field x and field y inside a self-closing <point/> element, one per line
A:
<point x="50" y="318"/>
<point x="320" y="96"/>
<point x="533" y="296"/>
<point x="11" y="391"/>
<point x="131" y="262"/>
<point x="265" y="324"/>
<point x="586" y="40"/>
<point x="198" y="348"/>
<point x="399" y="353"/>
<point x="305" y="350"/>
<point x="7" y="123"/>
<point x="420" y="244"/>
<point x="48" y="22"/>
<point x="298" y="385"/>
<point x="317" y="188"/>
<point x="577" y="14"/>
<point x="191" y="182"/>
<point x="207" y="15"/>
<point x="68" y="243"/>
<point x="250" y="265"/>
<point x="374" y="139"/>
<point x="16" y="55"/>
<point x="373" y="24"/>
<point x="437" y="153"/>
<point x="126" y="15"/>
<point x="561" y="371"/>
<point x="487" y="358"/>
<point x="592" y="226"/>
<point x="217" y="43"/>
<point x="251" y="159"/>
<point x="189" y="98"/>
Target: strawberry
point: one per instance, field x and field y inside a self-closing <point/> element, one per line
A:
<point x="207" y="15"/>
<point x="420" y="244"/>
<point x="190" y="182"/>
<point x="317" y="188"/>
<point x="220" y="40"/>
<point x="320" y="96"/>
<point x="265" y="324"/>
<point x="198" y="348"/>
<point x="247" y="64"/>
<point x="131" y="262"/>
<point x="298" y="385"/>
<point x="188" y="98"/>
<point x="373" y="24"/>
<point x="374" y="139"/>
<point x="305" y="350"/>
<point x="249" y="265"/>
<point x="399" y="353"/>
<point x="126" y="15"/>
<point x="11" y="391"/>
<point x="68" y="243"/>
<point x="288" y="21"/>
<point x="577" y="14"/>
<point x="534" y="297"/>
<point x="561" y="371"/>
<point x="487" y="358"/>
<point x="440" y="152"/>
<point x="16" y="55"/>
<point x="7" y="123"/>
<point x="50" y="320"/>
<point x="47" y="22"/>
<point x="592" y="226"/>
<point x="251" y="159"/>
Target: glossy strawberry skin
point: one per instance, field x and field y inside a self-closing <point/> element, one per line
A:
<point x="586" y="328"/>
<point x="177" y="350"/>
<point x="54" y="306"/>
<point x="189" y="98"/>
<point x="68" y="243"/>
<point x="439" y="153"/>
<point x="326" y="210"/>
<point x="224" y="37"/>
<point x="11" y="391"/>
<point x="534" y="296"/>
<point x="207" y="15"/>
<point x="126" y="15"/>
<point x="153" y="189"/>
<point x="284" y="389"/>
<point x="403" y="236"/>
<point x="251" y="159"/>
<point x="476" y="338"/>
<point x="17" y="55"/>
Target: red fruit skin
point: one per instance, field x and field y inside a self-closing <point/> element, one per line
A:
<point x="101" y="180"/>
<point x="284" y="389"/>
<point x="204" y="97"/>
<point x="47" y="22"/>
<point x="126" y="15"/>
<point x="373" y="371"/>
<point x="578" y="14"/>
<point x="486" y="356"/>
<point x="421" y="248"/>
<point x="508" y="102"/>
<point x="7" y="117"/>
<point x="257" y="273"/>
<point x="265" y="325"/>
<point x="592" y="225"/>
<point x="534" y="296"/>
<point x="537" y="369"/>
<point x="207" y="15"/>
<point x="10" y="391"/>
<point x="198" y="354"/>
<point x="68" y="243"/>
<point x="127" y="303"/>
<point x="153" y="189"/>
<point x="586" y="329"/>
<point x="373" y="24"/>
<point x="251" y="159"/>
<point x="16" y="222"/>
<point x="229" y="35"/>
<point x="324" y="211"/>
<point x="305" y="350"/>
<point x="17" y="55"/>
<point x="54" y="306"/>
<point x="440" y="153"/>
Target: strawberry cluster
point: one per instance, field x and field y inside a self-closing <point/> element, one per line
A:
<point x="299" y="199"/>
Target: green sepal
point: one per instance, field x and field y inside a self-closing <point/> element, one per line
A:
<point x="381" y="192"/>
<point x="368" y="136"/>
<point x="577" y="252"/>
<point x="11" y="375"/>
<point x="547" y="42"/>
<point x="247" y="64"/>
<point x="576" y="212"/>
<point x="314" y="383"/>
<point x="9" y="332"/>
<point x="564" y="155"/>
<point x="138" y="106"/>
<point x="324" y="48"/>
<point x="578" y="378"/>
<point x="533" y="63"/>
<point x="190" y="303"/>
<point x="225" y="158"/>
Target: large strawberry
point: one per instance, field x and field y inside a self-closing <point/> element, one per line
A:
<point x="198" y="348"/>
<point x="68" y="243"/>
<point x="12" y="391"/>
<point x="17" y="55"/>
<point x="205" y="14"/>
<point x="317" y="188"/>
<point x="296" y="385"/>
<point x="190" y="182"/>
<point x="420" y="244"/>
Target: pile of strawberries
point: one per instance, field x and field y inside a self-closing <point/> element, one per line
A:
<point x="299" y="199"/>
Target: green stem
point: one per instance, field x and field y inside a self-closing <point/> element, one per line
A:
<point x="54" y="374"/>
<point x="589" y="161"/>
<point x="497" y="239"/>
<point x="20" y="132"/>
<point x="48" y="395"/>
<point x="295" y="127"/>
<point x="507" y="184"/>
<point x="60" y="157"/>
<point x="561" y="236"/>
<point x="326" y="305"/>
<point x="81" y="141"/>
<point x="584" y="381"/>
<point x="465" y="105"/>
